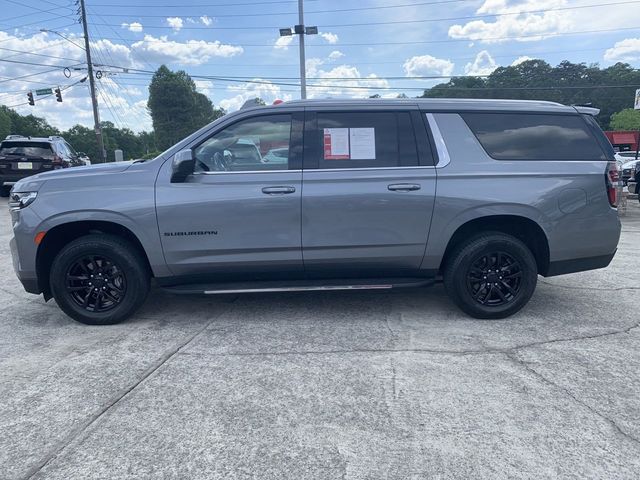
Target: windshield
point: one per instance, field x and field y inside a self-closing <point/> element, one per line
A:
<point x="26" y="149"/>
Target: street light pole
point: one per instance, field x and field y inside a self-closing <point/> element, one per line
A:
<point x="92" y="85"/>
<point x="303" y="63"/>
<point x="301" y="31"/>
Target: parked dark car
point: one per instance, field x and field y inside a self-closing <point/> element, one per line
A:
<point x="22" y="157"/>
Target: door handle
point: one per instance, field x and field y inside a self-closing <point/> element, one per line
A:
<point x="403" y="187"/>
<point x="278" y="190"/>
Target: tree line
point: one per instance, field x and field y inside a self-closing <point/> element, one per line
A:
<point x="177" y="109"/>
<point x="610" y="89"/>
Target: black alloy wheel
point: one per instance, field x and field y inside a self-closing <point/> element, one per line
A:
<point x="494" y="279"/>
<point x="96" y="283"/>
<point x="99" y="279"/>
<point x="490" y="275"/>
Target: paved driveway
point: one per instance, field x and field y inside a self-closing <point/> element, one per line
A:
<point x="355" y="385"/>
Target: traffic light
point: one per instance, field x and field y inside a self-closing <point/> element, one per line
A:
<point x="30" y="97"/>
<point x="58" y="94"/>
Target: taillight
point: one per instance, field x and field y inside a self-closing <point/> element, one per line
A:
<point x="611" y="179"/>
<point x="57" y="161"/>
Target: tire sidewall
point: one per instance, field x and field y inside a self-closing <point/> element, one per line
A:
<point x="456" y="275"/>
<point x="122" y="254"/>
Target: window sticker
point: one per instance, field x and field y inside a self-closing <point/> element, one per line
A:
<point x="336" y="144"/>
<point x="363" y="143"/>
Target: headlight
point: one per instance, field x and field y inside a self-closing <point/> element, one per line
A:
<point x="20" y="200"/>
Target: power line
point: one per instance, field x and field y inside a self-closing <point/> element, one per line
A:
<point x="22" y="77"/>
<point x="36" y="54"/>
<point x="200" y="5"/>
<point x="381" y="7"/>
<point x="48" y="95"/>
<point x="395" y="22"/>
<point x="419" y="42"/>
<point x="13" y="38"/>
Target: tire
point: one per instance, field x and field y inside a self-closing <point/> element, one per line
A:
<point x="483" y="291"/>
<point x="99" y="279"/>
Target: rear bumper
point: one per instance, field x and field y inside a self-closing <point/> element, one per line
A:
<point x="9" y="179"/>
<point x="579" y="265"/>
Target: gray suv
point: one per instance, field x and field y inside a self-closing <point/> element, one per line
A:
<point x="483" y="194"/>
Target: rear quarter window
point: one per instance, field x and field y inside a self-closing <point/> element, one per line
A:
<point x="517" y="136"/>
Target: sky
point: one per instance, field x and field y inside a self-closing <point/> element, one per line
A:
<point x="234" y="52"/>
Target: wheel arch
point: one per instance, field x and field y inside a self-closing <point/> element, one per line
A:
<point x="64" y="233"/>
<point x="523" y="228"/>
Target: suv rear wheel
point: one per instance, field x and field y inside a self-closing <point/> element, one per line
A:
<point x="491" y="275"/>
<point x="99" y="279"/>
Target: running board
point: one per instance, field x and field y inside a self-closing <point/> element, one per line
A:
<point x="299" y="286"/>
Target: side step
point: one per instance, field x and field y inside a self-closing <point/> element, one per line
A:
<point x="299" y="286"/>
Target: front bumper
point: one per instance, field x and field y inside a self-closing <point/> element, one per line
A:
<point x="28" y="279"/>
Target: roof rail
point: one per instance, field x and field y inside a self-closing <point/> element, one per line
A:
<point x="55" y="137"/>
<point x="10" y="137"/>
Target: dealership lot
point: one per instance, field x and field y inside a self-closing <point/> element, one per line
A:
<point x="331" y="385"/>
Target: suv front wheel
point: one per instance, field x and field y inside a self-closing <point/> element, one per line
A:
<point x="99" y="279"/>
<point x="492" y="275"/>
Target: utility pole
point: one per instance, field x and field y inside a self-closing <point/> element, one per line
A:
<point x="92" y="85"/>
<point x="301" y="31"/>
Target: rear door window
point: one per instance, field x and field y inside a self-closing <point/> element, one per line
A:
<point x="365" y="140"/>
<point x="26" y="149"/>
<point x="517" y="136"/>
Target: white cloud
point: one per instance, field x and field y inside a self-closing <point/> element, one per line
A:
<point x="175" y="22"/>
<point x="282" y="43"/>
<point x="191" y="52"/>
<point x="246" y="91"/>
<point x="527" y="26"/>
<point x="627" y="50"/>
<point x="520" y="60"/>
<point x="133" y="27"/>
<point x="322" y="82"/>
<point x="484" y="64"/>
<point x="426" y="65"/>
<point x="330" y="37"/>
<point x="206" y="20"/>
<point x="204" y="86"/>
<point x="335" y="55"/>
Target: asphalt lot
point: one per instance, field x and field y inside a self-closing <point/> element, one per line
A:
<point x="351" y="385"/>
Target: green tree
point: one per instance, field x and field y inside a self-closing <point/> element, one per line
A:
<point x="627" y="119"/>
<point x="176" y="108"/>
<point x="610" y="89"/>
<point x="5" y="123"/>
<point x="30" y="125"/>
<point x="83" y="139"/>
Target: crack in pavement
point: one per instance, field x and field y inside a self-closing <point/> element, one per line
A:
<point x="595" y="412"/>
<point x="602" y="289"/>
<point x="76" y="432"/>
<point x="481" y="351"/>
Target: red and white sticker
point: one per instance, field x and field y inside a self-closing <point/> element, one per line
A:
<point x="336" y="144"/>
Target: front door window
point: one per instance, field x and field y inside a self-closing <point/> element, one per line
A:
<point x="257" y="144"/>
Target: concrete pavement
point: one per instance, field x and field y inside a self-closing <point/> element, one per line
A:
<point x="355" y="385"/>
